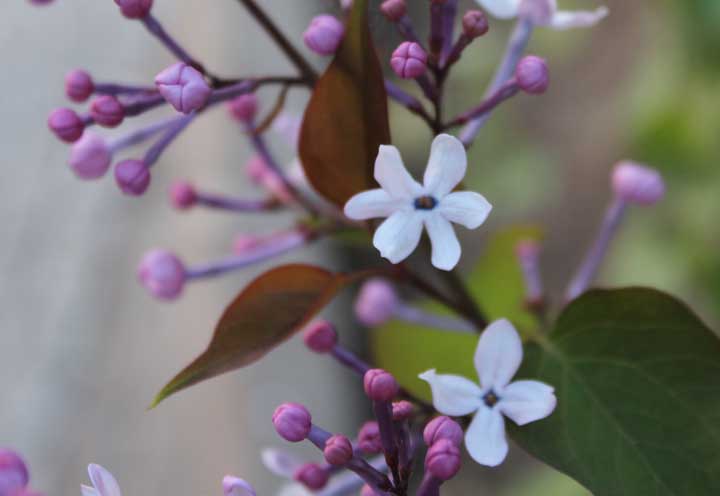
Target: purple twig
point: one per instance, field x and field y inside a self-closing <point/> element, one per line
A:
<point x="177" y="127"/>
<point x="142" y="134"/>
<point x="222" y="202"/>
<point x="504" y="92"/>
<point x="154" y="26"/>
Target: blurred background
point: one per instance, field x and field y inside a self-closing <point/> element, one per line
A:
<point x="83" y="349"/>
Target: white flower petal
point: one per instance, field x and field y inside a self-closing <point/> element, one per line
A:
<point x="452" y="394"/>
<point x="502" y="9"/>
<point x="392" y="175"/>
<point x="234" y="486"/>
<point x="466" y="208"/>
<point x="280" y="462"/>
<point x="498" y="355"/>
<point x="88" y="491"/>
<point x="371" y="204"/>
<point x="103" y="481"/>
<point x="527" y="401"/>
<point x="578" y="19"/>
<point x="485" y="438"/>
<point x="398" y="236"/>
<point x="446" y="167"/>
<point x="445" y="245"/>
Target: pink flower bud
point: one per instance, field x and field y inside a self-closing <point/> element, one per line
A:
<point x="244" y="107"/>
<point x="79" y="85"/>
<point x="394" y="10"/>
<point x="39" y="3"/>
<point x="442" y="428"/>
<point x="443" y="460"/>
<point x="402" y="410"/>
<point x="367" y="491"/>
<point x="292" y="422"/>
<point x="132" y="177"/>
<point x="338" y="450"/>
<point x="376" y="302"/>
<point x="66" y="125"/>
<point x="324" y="34"/>
<point x="320" y="336"/>
<point x="256" y="168"/>
<point x="475" y="24"/>
<point x="532" y="75"/>
<point x="369" y="438"/>
<point x="162" y="274"/>
<point x="182" y="195"/>
<point x="107" y="111"/>
<point x="183" y="87"/>
<point x="134" y="9"/>
<point x="14" y="476"/>
<point x="90" y="156"/>
<point x="637" y="184"/>
<point x="409" y="60"/>
<point x="313" y="476"/>
<point x="380" y="385"/>
<point x="234" y="486"/>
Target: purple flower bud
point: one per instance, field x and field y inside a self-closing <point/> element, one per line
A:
<point x="107" y="111"/>
<point x="134" y="9"/>
<point x="394" y="10"/>
<point x="409" y="60"/>
<point x="376" y="302"/>
<point x="79" y="85"/>
<point x="183" y="87"/>
<point x="256" y="168"/>
<point x="66" y="124"/>
<point x="532" y="75"/>
<point x="442" y="428"/>
<point x="162" y="274"/>
<point x="292" y="422"/>
<point x="637" y="184"/>
<point x="380" y="385"/>
<point x="244" y="107"/>
<point x="40" y="3"/>
<point x="369" y="438"/>
<point x="324" y="34"/>
<point x="475" y="24"/>
<point x="443" y="460"/>
<point x="14" y="476"/>
<point x="313" y="476"/>
<point x="320" y="336"/>
<point x="132" y="177"/>
<point x="338" y="450"/>
<point x="182" y="195"/>
<point x="234" y="486"/>
<point x="402" y="410"/>
<point x="90" y="156"/>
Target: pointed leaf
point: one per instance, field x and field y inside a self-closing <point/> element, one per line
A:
<point x="263" y="315"/>
<point x="347" y="117"/>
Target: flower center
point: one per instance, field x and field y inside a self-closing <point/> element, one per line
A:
<point x="491" y="399"/>
<point x="425" y="202"/>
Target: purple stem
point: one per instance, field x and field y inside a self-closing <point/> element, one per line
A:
<point x="318" y="437"/>
<point x="388" y="436"/>
<point x="449" y="14"/>
<point x="427" y="87"/>
<point x="143" y="104"/>
<point x="404" y="449"/>
<point x="437" y="30"/>
<point x="154" y="152"/>
<point x="283" y="244"/>
<point x="350" y="360"/>
<point x="453" y="55"/>
<point x="230" y="92"/>
<point x="142" y="134"/>
<point x="418" y="316"/>
<point x="350" y="482"/>
<point x="430" y="486"/>
<point x="588" y="269"/>
<point x="504" y="92"/>
<point x="406" y="99"/>
<point x="154" y="26"/>
<point x="233" y="204"/>
<point x="514" y="51"/>
<point x="405" y="27"/>
<point x="122" y="89"/>
<point x="531" y="276"/>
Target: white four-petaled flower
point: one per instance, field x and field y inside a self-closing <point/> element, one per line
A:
<point x="104" y="484"/>
<point x="543" y="13"/>
<point x="497" y="359"/>
<point x="408" y="205"/>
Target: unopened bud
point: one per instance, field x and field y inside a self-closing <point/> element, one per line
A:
<point x="369" y="438"/>
<point x="183" y="87"/>
<point x="182" y="195"/>
<point x="90" y="156"/>
<point x="14" y="476"/>
<point x="394" y="10"/>
<point x="66" y="125"/>
<point x="320" y="336"/>
<point x="132" y="177"/>
<point x="380" y="385"/>
<point x="107" y="111"/>
<point x="443" y="460"/>
<point x="162" y="274"/>
<point x="134" y="9"/>
<point x="376" y="302"/>
<point x="292" y="422"/>
<point x="313" y="476"/>
<point x="475" y="24"/>
<point x="338" y="450"/>
<point x="79" y="85"/>
<point x="637" y="184"/>
<point x="532" y="75"/>
<point x="324" y="34"/>
<point x="402" y="410"/>
<point x="409" y="60"/>
<point x="442" y="428"/>
<point x="244" y="107"/>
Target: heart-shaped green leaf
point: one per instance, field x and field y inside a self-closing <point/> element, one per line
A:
<point x="637" y="376"/>
<point x="347" y="117"/>
<point x="263" y="315"/>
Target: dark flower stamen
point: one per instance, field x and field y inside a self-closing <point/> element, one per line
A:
<point x="491" y="399"/>
<point x="425" y="203"/>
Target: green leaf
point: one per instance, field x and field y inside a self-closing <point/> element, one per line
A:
<point x="497" y="282"/>
<point x="347" y="117"/>
<point x="263" y="315"/>
<point x="637" y="376"/>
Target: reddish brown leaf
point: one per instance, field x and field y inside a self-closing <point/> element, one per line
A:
<point x="347" y="117"/>
<point x="263" y="315"/>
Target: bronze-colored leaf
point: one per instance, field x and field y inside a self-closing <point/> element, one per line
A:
<point x="347" y="117"/>
<point x="263" y="315"/>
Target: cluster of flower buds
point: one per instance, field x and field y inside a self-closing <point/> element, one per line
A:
<point x="14" y="475"/>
